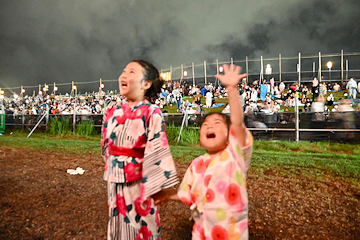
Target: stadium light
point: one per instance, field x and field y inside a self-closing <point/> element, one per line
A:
<point x="329" y="64"/>
<point x="221" y="69"/>
<point x="268" y="69"/>
<point x="185" y="73"/>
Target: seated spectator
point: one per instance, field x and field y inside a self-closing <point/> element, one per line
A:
<point x="330" y="100"/>
<point x="286" y="117"/>
<point x="197" y="101"/>
<point x="335" y="108"/>
<point x="323" y="89"/>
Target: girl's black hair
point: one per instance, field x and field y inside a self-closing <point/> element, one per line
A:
<point x="152" y="74"/>
<point x="226" y="118"/>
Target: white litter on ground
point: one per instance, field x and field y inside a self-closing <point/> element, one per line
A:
<point x="76" y="171"/>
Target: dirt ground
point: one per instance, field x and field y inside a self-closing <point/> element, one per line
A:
<point x="39" y="200"/>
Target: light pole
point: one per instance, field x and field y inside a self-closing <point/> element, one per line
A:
<point x="221" y="69"/>
<point x="268" y="70"/>
<point x="329" y="65"/>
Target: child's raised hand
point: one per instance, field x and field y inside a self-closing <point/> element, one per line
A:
<point x="231" y="75"/>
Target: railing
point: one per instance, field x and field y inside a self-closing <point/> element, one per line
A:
<point x="333" y="126"/>
<point x="301" y="69"/>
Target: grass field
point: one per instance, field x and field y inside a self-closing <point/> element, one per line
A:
<point x="296" y="190"/>
<point x="314" y="159"/>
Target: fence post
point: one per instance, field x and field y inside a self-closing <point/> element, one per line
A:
<point x="74" y="119"/>
<point x="193" y="73"/>
<point x="47" y="116"/>
<point x="279" y="67"/>
<point x="205" y="71"/>
<point x="296" y="119"/>
<point x="261" y="69"/>
<point x="247" y="68"/>
<point x="299" y="69"/>
<point x="23" y="118"/>
<point x="342" y="68"/>
<point x="319" y="77"/>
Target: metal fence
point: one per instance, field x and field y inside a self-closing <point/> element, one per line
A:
<point x="337" y="67"/>
<point x="332" y="126"/>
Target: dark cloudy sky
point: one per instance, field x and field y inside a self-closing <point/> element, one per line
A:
<point x="83" y="40"/>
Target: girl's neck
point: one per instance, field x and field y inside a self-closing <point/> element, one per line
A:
<point x="215" y="154"/>
<point x="134" y="102"/>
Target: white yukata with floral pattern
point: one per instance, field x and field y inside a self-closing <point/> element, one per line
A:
<point x="138" y="164"/>
<point x="216" y="191"/>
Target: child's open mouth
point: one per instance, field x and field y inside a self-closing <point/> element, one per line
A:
<point x="210" y="135"/>
<point x="123" y="84"/>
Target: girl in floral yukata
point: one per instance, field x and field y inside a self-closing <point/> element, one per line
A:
<point x="214" y="185"/>
<point x="138" y="162"/>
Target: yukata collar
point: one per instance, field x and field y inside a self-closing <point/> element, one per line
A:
<point x="207" y="155"/>
<point x="126" y="104"/>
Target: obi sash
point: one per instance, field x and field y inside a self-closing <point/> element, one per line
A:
<point x="131" y="171"/>
<point x="129" y="152"/>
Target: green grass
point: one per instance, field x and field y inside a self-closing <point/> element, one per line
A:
<point x="85" y="128"/>
<point x="313" y="160"/>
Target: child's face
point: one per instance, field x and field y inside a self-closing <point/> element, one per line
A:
<point x="131" y="82"/>
<point x="214" y="133"/>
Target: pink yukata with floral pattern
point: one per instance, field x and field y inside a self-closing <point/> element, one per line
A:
<point x="216" y="191"/>
<point x="138" y="164"/>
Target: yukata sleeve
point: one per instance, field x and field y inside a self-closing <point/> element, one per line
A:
<point x="158" y="165"/>
<point x="103" y="137"/>
<point x="242" y="152"/>
<point x="109" y="111"/>
<point x="184" y="190"/>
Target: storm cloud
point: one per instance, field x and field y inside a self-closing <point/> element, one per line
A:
<point x="84" y="40"/>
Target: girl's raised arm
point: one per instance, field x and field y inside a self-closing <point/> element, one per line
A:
<point x="230" y="80"/>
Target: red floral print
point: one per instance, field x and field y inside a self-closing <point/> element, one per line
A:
<point x="143" y="208"/>
<point x="133" y="171"/>
<point x="210" y="195"/>
<point x="207" y="180"/>
<point x="121" y="205"/>
<point x="143" y="234"/>
<point x="200" y="166"/>
<point x="219" y="233"/>
<point x="232" y="194"/>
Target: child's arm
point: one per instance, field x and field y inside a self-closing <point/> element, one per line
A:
<point x="230" y="80"/>
<point x="164" y="196"/>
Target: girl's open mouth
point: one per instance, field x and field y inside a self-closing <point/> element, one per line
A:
<point x="210" y="135"/>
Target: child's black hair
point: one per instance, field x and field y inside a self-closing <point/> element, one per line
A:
<point x="226" y="118"/>
<point x="152" y="74"/>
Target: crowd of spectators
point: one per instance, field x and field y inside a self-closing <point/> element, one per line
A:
<point x="267" y="96"/>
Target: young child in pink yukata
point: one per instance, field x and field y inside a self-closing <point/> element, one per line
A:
<point x="214" y="185"/>
<point x="138" y="161"/>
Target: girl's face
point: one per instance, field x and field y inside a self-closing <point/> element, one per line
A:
<point x="214" y="133"/>
<point x="131" y="82"/>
